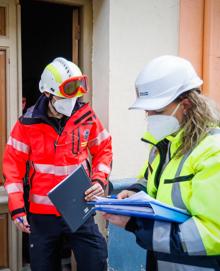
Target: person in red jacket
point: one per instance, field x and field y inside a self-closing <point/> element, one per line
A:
<point x="56" y="135"/>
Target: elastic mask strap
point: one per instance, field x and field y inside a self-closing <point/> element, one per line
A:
<point x="175" y="110"/>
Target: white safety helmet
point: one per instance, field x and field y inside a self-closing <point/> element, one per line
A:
<point x="162" y="80"/>
<point x="56" y="73"/>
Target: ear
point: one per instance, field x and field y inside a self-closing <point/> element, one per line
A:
<point x="186" y="105"/>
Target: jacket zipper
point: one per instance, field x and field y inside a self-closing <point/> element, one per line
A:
<point x="59" y="134"/>
<point x="76" y="145"/>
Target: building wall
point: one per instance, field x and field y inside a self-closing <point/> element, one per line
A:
<point x="127" y="34"/>
<point x="101" y="59"/>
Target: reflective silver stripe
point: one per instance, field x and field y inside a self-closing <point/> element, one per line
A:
<point x="18" y="145"/>
<point x="103" y="168"/>
<point x="177" y="197"/>
<point x="100" y="137"/>
<point x="152" y="155"/>
<point x="56" y="170"/>
<point x="191" y="239"/>
<point x="176" y="193"/>
<point x="161" y="236"/>
<point x="163" y="266"/>
<point x="14" y="187"/>
<point x="41" y="199"/>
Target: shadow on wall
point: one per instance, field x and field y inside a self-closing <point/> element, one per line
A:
<point x="124" y="253"/>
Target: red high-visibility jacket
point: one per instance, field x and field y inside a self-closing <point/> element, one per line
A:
<point x="53" y="155"/>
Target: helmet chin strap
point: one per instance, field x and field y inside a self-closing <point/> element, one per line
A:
<point x="50" y="101"/>
<point x="175" y="110"/>
<point x="50" y="96"/>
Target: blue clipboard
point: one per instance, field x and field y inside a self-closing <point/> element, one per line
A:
<point x="160" y="211"/>
<point x="158" y="214"/>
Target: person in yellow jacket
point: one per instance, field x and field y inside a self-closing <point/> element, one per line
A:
<point x="183" y="169"/>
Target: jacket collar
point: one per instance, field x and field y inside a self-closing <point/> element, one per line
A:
<point x="174" y="139"/>
<point x="41" y="107"/>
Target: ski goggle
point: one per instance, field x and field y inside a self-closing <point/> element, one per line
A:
<point x="74" y="86"/>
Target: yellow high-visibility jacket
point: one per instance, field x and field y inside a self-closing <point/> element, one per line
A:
<point x="191" y="182"/>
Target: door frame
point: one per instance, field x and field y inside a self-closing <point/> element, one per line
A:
<point x="84" y="44"/>
<point x="8" y="43"/>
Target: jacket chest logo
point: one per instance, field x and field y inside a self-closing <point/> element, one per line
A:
<point x="86" y="134"/>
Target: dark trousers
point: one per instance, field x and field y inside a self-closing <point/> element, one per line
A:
<point x="46" y="239"/>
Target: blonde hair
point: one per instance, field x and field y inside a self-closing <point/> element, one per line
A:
<point x="199" y="119"/>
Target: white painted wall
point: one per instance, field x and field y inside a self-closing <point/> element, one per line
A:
<point x="127" y="34"/>
<point x="101" y="60"/>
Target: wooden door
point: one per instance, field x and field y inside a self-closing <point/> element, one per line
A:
<point x="4" y="240"/>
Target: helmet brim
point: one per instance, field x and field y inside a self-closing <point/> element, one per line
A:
<point x="150" y="104"/>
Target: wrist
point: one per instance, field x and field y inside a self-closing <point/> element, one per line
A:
<point x="99" y="182"/>
<point x="20" y="213"/>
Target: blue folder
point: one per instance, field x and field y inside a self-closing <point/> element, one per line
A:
<point x="159" y="210"/>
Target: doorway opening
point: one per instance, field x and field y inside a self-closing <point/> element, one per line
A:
<point x="46" y="33"/>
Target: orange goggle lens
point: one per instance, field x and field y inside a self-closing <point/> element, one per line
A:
<point x="75" y="86"/>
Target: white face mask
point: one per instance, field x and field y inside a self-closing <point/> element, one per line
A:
<point x="160" y="126"/>
<point x="65" y="106"/>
